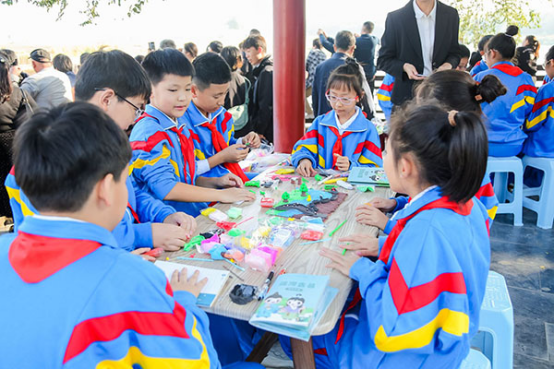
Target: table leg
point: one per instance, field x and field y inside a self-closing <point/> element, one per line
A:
<point x="302" y="354"/>
<point x="262" y="347"/>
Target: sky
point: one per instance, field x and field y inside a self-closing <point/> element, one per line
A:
<point x="25" y="27"/>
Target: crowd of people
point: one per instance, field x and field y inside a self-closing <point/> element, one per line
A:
<point x="103" y="165"/>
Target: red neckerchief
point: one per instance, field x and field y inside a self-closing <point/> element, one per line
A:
<point x="337" y="148"/>
<point x="508" y="69"/>
<point x="135" y="216"/>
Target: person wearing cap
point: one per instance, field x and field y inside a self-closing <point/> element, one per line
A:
<point x="48" y="87"/>
<point x="16" y="74"/>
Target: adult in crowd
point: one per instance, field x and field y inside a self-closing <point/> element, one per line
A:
<point x="14" y="109"/>
<point x="16" y="74"/>
<point x="344" y="47"/>
<point x="420" y="38"/>
<point x="316" y="56"/>
<point x="64" y="64"/>
<point x="48" y="87"/>
<point x="237" y="88"/>
<point x="168" y="43"/>
<point x="261" y="94"/>
<point x="191" y="51"/>
<point x="527" y="55"/>
<point x="246" y="68"/>
<point x="326" y="41"/>
<point x="364" y="53"/>
<point x="215" y="47"/>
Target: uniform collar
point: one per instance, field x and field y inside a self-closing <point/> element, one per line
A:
<point x="359" y="124"/>
<point x="162" y="118"/>
<point x="500" y="63"/>
<point x="430" y="195"/>
<point x="198" y="119"/>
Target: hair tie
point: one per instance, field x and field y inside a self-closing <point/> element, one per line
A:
<point x="2" y="60"/>
<point x="478" y="97"/>
<point x="452" y="117"/>
<point x="509" y="35"/>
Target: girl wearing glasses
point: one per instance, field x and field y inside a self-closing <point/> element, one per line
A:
<point x="342" y="138"/>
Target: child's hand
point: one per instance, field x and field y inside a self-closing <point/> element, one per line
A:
<point x="362" y="245"/>
<point x="230" y="180"/>
<point x="343" y="163"/>
<point x="252" y="138"/>
<point x="371" y="216"/>
<point x="234" y="153"/>
<point x="184" y="221"/>
<point x="169" y="237"/>
<point x="140" y="251"/>
<point x="179" y="282"/>
<point x="305" y="168"/>
<point x="233" y="195"/>
<point x="385" y="205"/>
<point x="341" y="263"/>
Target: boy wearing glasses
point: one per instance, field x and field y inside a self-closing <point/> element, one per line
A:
<point x="117" y="84"/>
<point x="342" y="138"/>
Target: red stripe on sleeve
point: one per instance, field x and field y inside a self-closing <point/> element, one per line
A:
<point x="107" y="328"/>
<point x="411" y="299"/>
<point x="320" y="140"/>
<point x="387" y="87"/>
<point x="485" y="191"/>
<point x="152" y="141"/>
<point x="359" y="148"/>
<point x="12" y="171"/>
<point x="538" y="105"/>
<point x="373" y="148"/>
<point x="226" y="118"/>
<point x="524" y="88"/>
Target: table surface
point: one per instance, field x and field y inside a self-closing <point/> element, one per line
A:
<point x="301" y="259"/>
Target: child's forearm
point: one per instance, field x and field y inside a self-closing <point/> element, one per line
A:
<point x="182" y="192"/>
<point x="208" y="182"/>
<point x="216" y="159"/>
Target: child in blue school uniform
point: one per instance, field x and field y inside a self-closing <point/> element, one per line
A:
<point x="342" y="138"/>
<point x="455" y="90"/>
<point x="117" y="84"/>
<point x="216" y="150"/>
<point x="163" y="161"/>
<point x="481" y="65"/>
<point x="418" y="304"/>
<point x="77" y="300"/>
<point x="384" y="95"/>
<point x="507" y="114"/>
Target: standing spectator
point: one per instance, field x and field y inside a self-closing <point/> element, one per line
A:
<point x="237" y="87"/>
<point x="464" y="58"/>
<point x="246" y="68"/>
<point x="326" y="42"/>
<point x="261" y="96"/>
<point x="527" y="55"/>
<point x="191" y="51"/>
<point x="48" y="87"/>
<point x="410" y="47"/>
<point x="365" y="52"/>
<point x="16" y="74"/>
<point x="215" y="47"/>
<point x="64" y="64"/>
<point x="315" y="57"/>
<point x="168" y="43"/>
<point x="13" y="111"/>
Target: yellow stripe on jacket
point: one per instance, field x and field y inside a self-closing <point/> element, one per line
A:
<point x="135" y="356"/>
<point x="452" y="322"/>
<point x="16" y="195"/>
<point x="540" y="118"/>
<point x="140" y="163"/>
<point x="521" y="103"/>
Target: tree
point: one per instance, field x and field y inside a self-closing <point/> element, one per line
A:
<point x="488" y="17"/>
<point x="90" y="7"/>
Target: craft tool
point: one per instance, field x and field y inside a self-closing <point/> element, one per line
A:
<point x="265" y="287"/>
<point x="316" y="241"/>
<point x="195" y="259"/>
<point x="337" y="228"/>
<point x="234" y="264"/>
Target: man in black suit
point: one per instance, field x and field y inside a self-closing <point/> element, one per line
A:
<point x="419" y="39"/>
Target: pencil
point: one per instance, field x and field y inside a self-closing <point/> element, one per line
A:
<point x="234" y="264"/>
<point x="337" y="228"/>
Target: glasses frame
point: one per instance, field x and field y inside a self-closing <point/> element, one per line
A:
<point x="344" y="101"/>
<point x="138" y="111"/>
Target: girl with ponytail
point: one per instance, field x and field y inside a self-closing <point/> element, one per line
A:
<point x="343" y="137"/>
<point x="506" y="115"/>
<point x="418" y="304"/>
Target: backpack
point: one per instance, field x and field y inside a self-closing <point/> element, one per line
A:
<point x="240" y="112"/>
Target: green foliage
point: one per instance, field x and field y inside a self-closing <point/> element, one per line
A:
<point x="89" y="8"/>
<point x="488" y="17"/>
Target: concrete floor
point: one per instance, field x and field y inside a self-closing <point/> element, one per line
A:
<point x="525" y="256"/>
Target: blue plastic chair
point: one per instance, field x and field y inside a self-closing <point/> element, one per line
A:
<point x="475" y="360"/>
<point x="501" y="166"/>
<point x="544" y="207"/>
<point x="495" y="338"/>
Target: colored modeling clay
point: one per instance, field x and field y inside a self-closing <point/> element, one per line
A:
<point x="235" y="232"/>
<point x="226" y="225"/>
<point x="318" y="178"/>
<point x="252" y="183"/>
<point x="156" y="252"/>
<point x="234" y="212"/>
<point x="197" y="240"/>
<point x="206" y="212"/>
<point x="217" y="216"/>
<point x="267" y="202"/>
<point x="217" y="251"/>
<point x="284" y="171"/>
<point x="345" y="185"/>
<point x="311" y="235"/>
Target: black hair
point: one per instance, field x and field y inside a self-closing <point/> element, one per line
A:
<point x="61" y="154"/>
<point x="111" y="69"/>
<point x="369" y="26"/>
<point x="450" y="155"/>
<point x="533" y="43"/>
<point x="5" y="80"/>
<point x="255" y="41"/>
<point x="83" y="58"/>
<point x="457" y="90"/>
<point x="210" y="69"/>
<point x="63" y="63"/>
<point x="12" y="57"/>
<point x="344" y="40"/>
<point x="164" y="62"/>
<point x="504" y="43"/>
<point x="192" y="49"/>
<point x="317" y="43"/>
<point x="464" y="51"/>
<point x="215" y="46"/>
<point x="549" y="54"/>
<point x="483" y="42"/>
<point x="231" y="55"/>
<point x="347" y="75"/>
<point x="168" y="43"/>
<point x="474" y="58"/>
<point x="254" y="32"/>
